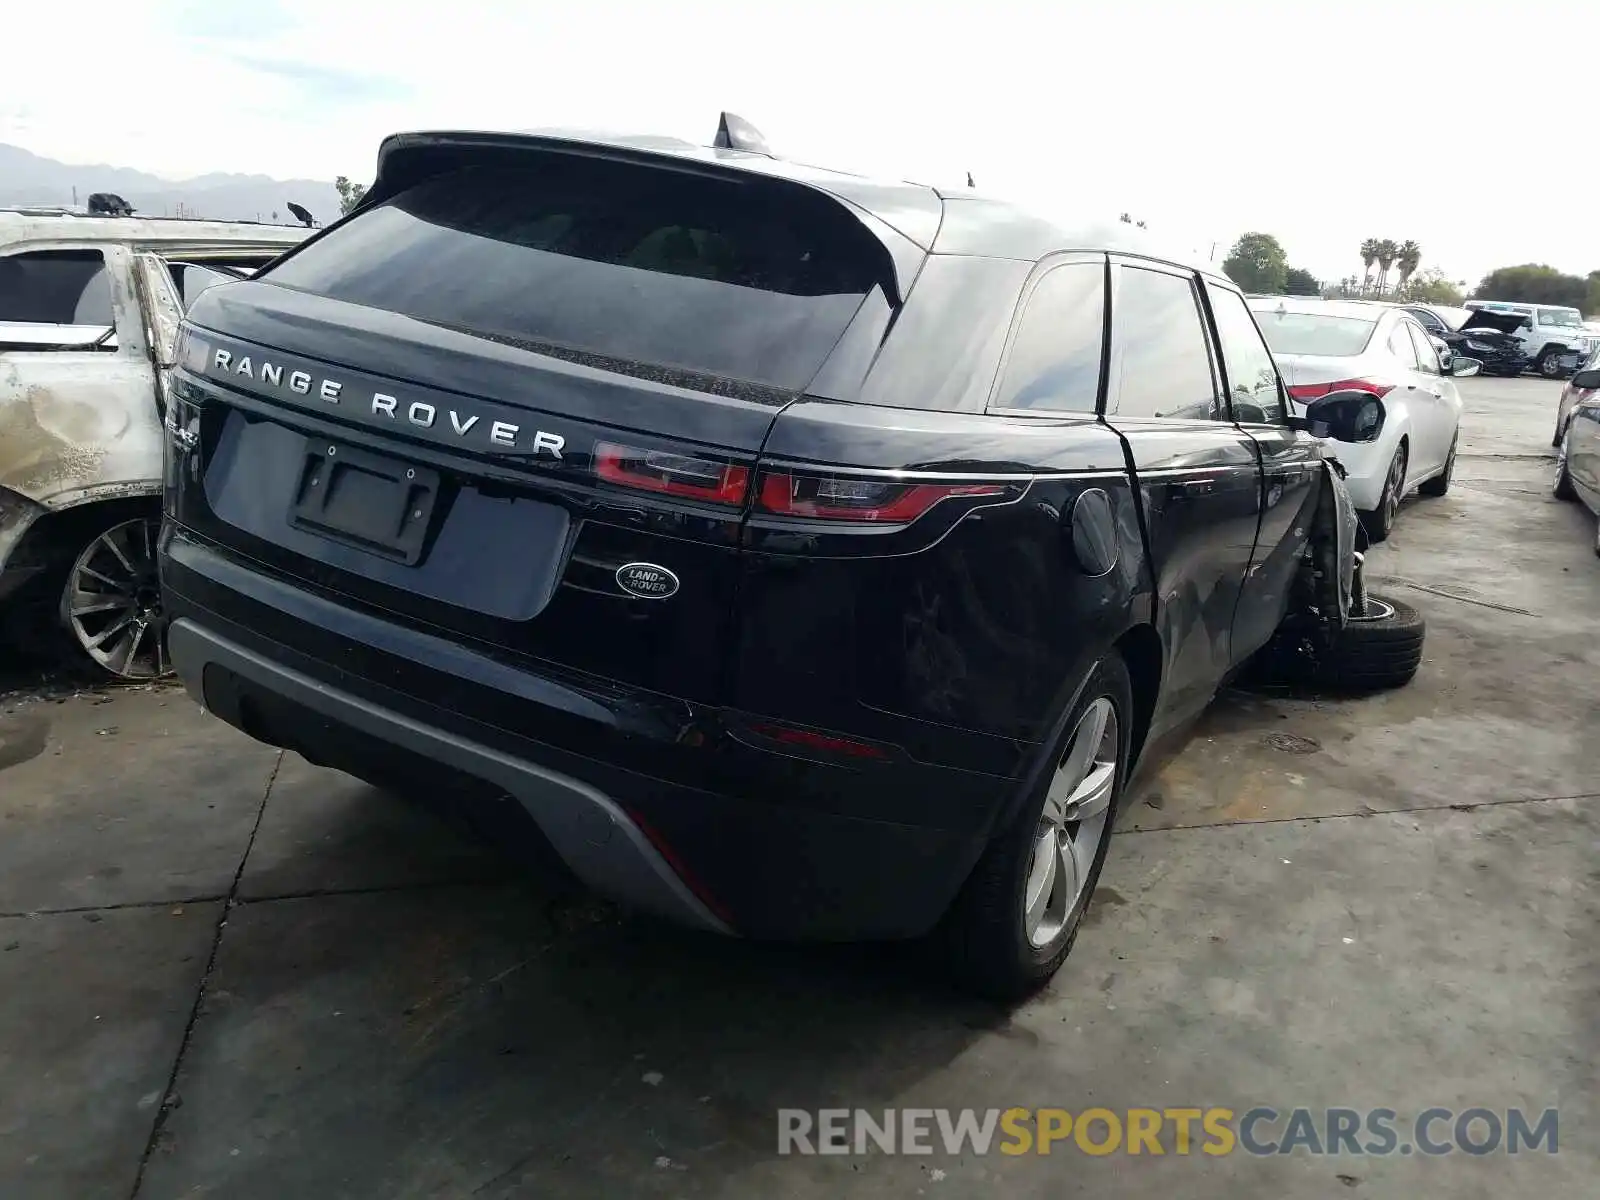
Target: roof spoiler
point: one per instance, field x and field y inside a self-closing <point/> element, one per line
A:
<point x="735" y="133"/>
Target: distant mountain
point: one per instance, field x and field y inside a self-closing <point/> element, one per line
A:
<point x="28" y="178"/>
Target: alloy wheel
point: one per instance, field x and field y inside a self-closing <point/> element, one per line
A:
<point x="1072" y="825"/>
<point x="1391" y="488"/>
<point x="112" y="602"/>
<point x="1550" y="366"/>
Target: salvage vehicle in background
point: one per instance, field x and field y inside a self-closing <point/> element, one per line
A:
<point x="1489" y="337"/>
<point x="1578" y="465"/>
<point x="89" y="308"/>
<point x="1325" y="346"/>
<point x="1552" y="334"/>
<point x="809" y="556"/>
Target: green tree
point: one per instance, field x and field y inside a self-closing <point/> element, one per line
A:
<point x="1297" y="282"/>
<point x="1388" y="251"/>
<point x="1369" y="255"/>
<point x="1257" y="264"/>
<point x="1406" y="261"/>
<point x="1591" y="307"/>
<point x="350" y="194"/>
<point x="1430" y="287"/>
<point x="1535" y="283"/>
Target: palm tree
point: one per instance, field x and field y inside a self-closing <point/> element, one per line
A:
<point x="1387" y="252"/>
<point x="1407" y="260"/>
<point x="1369" y="255"/>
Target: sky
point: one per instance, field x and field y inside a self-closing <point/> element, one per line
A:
<point x="1320" y="123"/>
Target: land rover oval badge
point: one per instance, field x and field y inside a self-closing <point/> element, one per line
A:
<point x="646" y="580"/>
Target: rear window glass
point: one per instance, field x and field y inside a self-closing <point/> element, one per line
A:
<point x="1314" y="333"/>
<point x="638" y="267"/>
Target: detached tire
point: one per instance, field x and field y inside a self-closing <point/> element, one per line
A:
<point x="1375" y="652"/>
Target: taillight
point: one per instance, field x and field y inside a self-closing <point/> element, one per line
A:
<point x="822" y="498"/>
<point x="684" y="475"/>
<point x="1314" y="391"/>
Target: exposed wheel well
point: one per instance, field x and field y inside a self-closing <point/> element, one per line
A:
<point x="55" y="531"/>
<point x="52" y="543"/>
<point x="1140" y="648"/>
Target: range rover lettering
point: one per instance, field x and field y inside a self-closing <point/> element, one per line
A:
<point x="847" y="546"/>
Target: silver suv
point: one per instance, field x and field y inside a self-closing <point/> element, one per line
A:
<point x="1554" y="336"/>
<point x="89" y="309"/>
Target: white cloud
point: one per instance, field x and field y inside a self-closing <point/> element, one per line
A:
<point x="1321" y="123"/>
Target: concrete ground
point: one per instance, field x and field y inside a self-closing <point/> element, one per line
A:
<point x="226" y="973"/>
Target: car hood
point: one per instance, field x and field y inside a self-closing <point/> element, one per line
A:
<point x="1499" y="322"/>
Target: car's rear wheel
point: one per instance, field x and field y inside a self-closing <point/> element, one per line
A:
<point x="111" y="601"/>
<point x="1379" y="648"/>
<point x="1379" y="521"/>
<point x="1440" y="483"/>
<point x="1561" y="486"/>
<point x="1019" y="912"/>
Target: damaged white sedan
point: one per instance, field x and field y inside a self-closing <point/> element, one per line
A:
<point x="89" y="309"/>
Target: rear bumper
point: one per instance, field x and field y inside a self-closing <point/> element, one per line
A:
<point x="1366" y="464"/>
<point x="601" y="844"/>
<point x="662" y="808"/>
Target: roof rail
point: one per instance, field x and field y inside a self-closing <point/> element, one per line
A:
<point x="62" y="210"/>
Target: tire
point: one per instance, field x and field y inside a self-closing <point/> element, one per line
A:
<point x="1562" y="487"/>
<point x="40" y="619"/>
<point x="992" y="945"/>
<point x="1549" y="364"/>
<point x="1375" y="652"/>
<point x="1439" y="485"/>
<point x="111" y="599"/>
<point x="1380" y="521"/>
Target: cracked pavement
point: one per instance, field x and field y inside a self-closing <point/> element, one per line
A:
<point x="226" y="973"/>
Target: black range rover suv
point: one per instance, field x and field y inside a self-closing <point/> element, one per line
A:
<point x="811" y="557"/>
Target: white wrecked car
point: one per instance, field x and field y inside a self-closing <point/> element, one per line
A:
<point x="89" y="308"/>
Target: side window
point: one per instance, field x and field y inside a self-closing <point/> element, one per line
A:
<point x="1429" y="322"/>
<point x="1427" y="356"/>
<point x="191" y="279"/>
<point x="1163" y="364"/>
<point x="55" y="287"/>
<point x="1054" y="364"/>
<point x="1252" y="373"/>
<point x="1401" y="346"/>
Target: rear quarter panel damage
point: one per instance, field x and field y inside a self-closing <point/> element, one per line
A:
<point x="77" y="426"/>
<point x="81" y="425"/>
